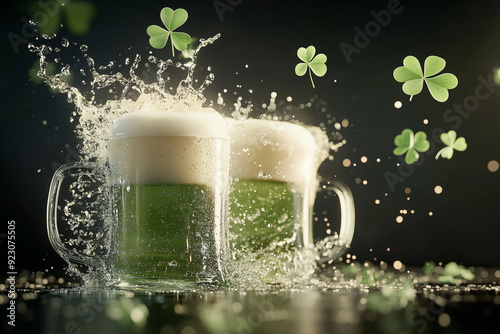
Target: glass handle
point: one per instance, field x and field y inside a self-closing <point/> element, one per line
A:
<point x="67" y="170"/>
<point x="347" y="217"/>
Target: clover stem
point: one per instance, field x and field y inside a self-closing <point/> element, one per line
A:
<point x="439" y="154"/>
<point x="411" y="97"/>
<point x="173" y="54"/>
<point x="310" y="76"/>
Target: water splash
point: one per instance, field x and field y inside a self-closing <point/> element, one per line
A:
<point x="100" y="94"/>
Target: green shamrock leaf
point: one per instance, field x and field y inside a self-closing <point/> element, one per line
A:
<point x="411" y="74"/>
<point x="78" y="16"/>
<point x="310" y="62"/>
<point x="452" y="143"/>
<point x="411" y="144"/>
<point x="429" y="268"/>
<point x="496" y="75"/>
<point x="172" y="20"/>
<point x="454" y="273"/>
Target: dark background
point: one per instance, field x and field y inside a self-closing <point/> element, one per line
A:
<point x="265" y="35"/>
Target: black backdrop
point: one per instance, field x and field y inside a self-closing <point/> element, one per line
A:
<point x="265" y="35"/>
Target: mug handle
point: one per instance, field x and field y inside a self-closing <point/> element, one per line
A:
<point x="347" y="217"/>
<point x="67" y="170"/>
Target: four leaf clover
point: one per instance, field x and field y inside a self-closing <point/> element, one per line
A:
<point x="310" y="62"/>
<point x="450" y="139"/>
<point x="411" y="144"/>
<point x="172" y="20"/>
<point x="413" y="78"/>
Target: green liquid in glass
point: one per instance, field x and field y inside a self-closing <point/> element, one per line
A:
<point x="164" y="231"/>
<point x="265" y="216"/>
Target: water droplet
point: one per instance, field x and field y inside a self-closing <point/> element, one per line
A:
<point x="65" y="70"/>
<point x="32" y="48"/>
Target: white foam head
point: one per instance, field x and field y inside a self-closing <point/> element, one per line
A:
<point x="186" y="124"/>
<point x="169" y="147"/>
<point x="272" y="150"/>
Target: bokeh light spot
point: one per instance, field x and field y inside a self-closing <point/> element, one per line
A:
<point x="493" y="166"/>
<point x="444" y="320"/>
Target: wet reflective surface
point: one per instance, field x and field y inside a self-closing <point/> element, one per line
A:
<point x="412" y="303"/>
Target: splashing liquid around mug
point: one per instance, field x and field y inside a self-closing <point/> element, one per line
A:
<point x="100" y="95"/>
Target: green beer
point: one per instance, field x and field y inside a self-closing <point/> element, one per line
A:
<point x="265" y="215"/>
<point x="162" y="228"/>
<point x="169" y="186"/>
<point x="273" y="167"/>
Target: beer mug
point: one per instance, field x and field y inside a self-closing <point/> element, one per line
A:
<point x="167" y="181"/>
<point x="274" y="168"/>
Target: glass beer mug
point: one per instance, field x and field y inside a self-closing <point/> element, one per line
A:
<point x="167" y="183"/>
<point x="274" y="168"/>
